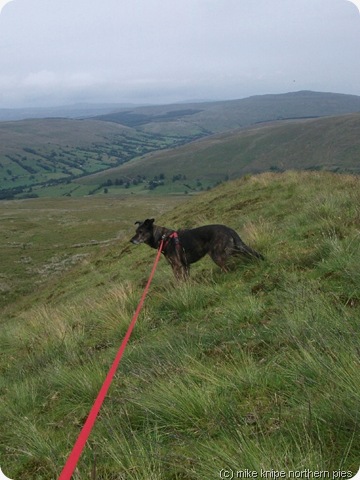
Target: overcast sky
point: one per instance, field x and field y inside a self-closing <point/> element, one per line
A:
<point x="55" y="52"/>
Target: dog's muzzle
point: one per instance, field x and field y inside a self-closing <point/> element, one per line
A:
<point x="135" y="241"/>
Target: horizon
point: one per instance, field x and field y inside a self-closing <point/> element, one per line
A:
<point x="126" y="104"/>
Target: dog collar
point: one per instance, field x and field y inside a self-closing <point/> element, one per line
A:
<point x="167" y="239"/>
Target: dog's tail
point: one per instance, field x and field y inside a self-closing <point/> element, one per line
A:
<point x="242" y="249"/>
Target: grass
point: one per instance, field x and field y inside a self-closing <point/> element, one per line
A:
<point x="255" y="369"/>
<point x="42" y="238"/>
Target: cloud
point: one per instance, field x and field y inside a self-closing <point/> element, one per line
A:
<point x="165" y="51"/>
<point x="47" y="79"/>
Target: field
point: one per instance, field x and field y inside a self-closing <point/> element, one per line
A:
<point x="40" y="158"/>
<point x="254" y="369"/>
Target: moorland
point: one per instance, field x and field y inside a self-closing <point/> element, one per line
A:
<point x="255" y="369"/>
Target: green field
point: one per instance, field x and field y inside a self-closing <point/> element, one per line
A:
<point x="256" y="369"/>
<point x="42" y="157"/>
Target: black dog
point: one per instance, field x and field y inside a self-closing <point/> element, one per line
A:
<point x="184" y="247"/>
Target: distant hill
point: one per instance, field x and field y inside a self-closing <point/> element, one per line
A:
<point x="216" y="117"/>
<point x="45" y="156"/>
<point x="331" y="143"/>
<point x="80" y="110"/>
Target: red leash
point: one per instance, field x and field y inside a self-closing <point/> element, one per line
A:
<point x="88" y="425"/>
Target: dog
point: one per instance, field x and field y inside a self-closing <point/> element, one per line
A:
<point x="183" y="247"/>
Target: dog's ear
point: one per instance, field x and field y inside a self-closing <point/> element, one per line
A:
<point x="149" y="222"/>
<point x="138" y="222"/>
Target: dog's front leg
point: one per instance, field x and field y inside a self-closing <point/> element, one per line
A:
<point x="180" y="272"/>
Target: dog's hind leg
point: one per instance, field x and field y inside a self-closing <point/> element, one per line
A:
<point x="220" y="258"/>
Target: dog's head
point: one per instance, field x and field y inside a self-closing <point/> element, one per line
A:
<point x="144" y="232"/>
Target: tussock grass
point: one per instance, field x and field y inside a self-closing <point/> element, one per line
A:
<point x="255" y="369"/>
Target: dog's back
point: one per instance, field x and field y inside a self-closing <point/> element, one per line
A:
<point x="219" y="241"/>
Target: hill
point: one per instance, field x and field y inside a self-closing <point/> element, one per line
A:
<point x="78" y="110"/>
<point x="44" y="157"/>
<point x="257" y="369"/>
<point x="216" y="117"/>
<point x="330" y="143"/>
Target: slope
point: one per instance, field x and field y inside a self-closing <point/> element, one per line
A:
<point x="257" y="369"/>
<point x="331" y="143"/>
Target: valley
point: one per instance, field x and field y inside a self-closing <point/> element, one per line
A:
<point x="182" y="149"/>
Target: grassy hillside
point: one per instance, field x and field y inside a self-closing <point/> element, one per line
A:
<point x="331" y="143"/>
<point x="216" y="117"/>
<point x="45" y="157"/>
<point x="254" y="369"/>
<point x="41" y="239"/>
